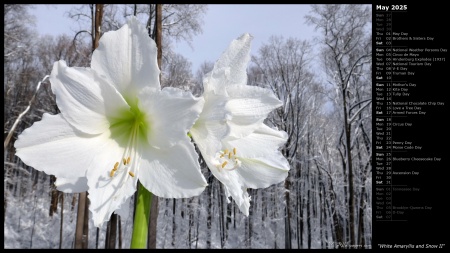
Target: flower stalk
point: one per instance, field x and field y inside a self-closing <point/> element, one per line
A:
<point x="141" y="218"/>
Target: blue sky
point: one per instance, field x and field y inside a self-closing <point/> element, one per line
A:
<point x="222" y="24"/>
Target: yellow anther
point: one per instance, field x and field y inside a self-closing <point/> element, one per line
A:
<point x="124" y="161"/>
<point x="226" y="151"/>
<point x="234" y="151"/>
<point x="128" y="160"/>
<point x="229" y="155"/>
<point x="116" y="166"/>
<point x="131" y="173"/>
<point x="111" y="174"/>
<point x="221" y="156"/>
<point x="224" y="163"/>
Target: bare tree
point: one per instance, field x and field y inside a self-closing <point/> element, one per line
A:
<point x="204" y="68"/>
<point x="283" y="66"/>
<point x="346" y="56"/>
<point x="176" y="72"/>
<point x="180" y="22"/>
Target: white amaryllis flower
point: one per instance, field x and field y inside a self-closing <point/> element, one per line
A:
<point x="239" y="149"/>
<point x="117" y="126"/>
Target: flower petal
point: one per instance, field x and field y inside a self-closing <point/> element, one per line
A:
<point x="86" y="101"/>
<point x="263" y="142"/>
<point x="171" y="113"/>
<point x="263" y="172"/>
<point x="211" y="127"/>
<point x="262" y="164"/>
<point x="106" y="193"/>
<point x="127" y="59"/>
<point x="71" y="185"/>
<point x="233" y="186"/>
<point x="249" y="106"/>
<point x="173" y="172"/>
<point x="231" y="68"/>
<point x="52" y="145"/>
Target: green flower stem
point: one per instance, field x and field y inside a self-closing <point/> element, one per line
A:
<point x="141" y="218"/>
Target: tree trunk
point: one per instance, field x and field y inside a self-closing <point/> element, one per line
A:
<point x="362" y="208"/>
<point x="228" y="223"/>
<point x="275" y="217"/>
<point x="154" y="208"/>
<point x="198" y="222"/>
<point x="86" y="222"/>
<point x="174" y="223"/>
<point x="300" y="209"/>
<point x="246" y="233"/>
<point x="120" y="231"/>
<point x="308" y="217"/>
<point x="209" y="218"/>
<point x="54" y="197"/>
<point x="323" y="209"/>
<point x="309" y="186"/>
<point x="107" y="234"/>
<point x="97" y="25"/>
<point x="191" y="221"/>
<point x="251" y="213"/>
<point x="287" y="218"/>
<point x="110" y="242"/>
<point x="62" y="220"/>
<point x="287" y="210"/>
<point x="80" y="239"/>
<point x="97" y="234"/>
<point x="351" y="206"/>
<point x="221" y="216"/>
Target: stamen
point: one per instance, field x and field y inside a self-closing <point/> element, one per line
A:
<point x="111" y="174"/>
<point x="124" y="161"/>
<point x="227" y="160"/>
<point x="116" y="166"/>
<point x="131" y="173"/>
<point x="128" y="160"/>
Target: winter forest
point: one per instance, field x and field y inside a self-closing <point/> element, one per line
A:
<point x="326" y="200"/>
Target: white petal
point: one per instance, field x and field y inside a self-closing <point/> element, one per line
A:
<point x="263" y="172"/>
<point x="262" y="162"/>
<point x="214" y="108"/>
<point x="266" y="130"/>
<point x="170" y="113"/>
<point x="231" y="67"/>
<point x="173" y="172"/>
<point x="205" y="140"/>
<point x="86" y="101"/>
<point x="127" y="59"/>
<point x="106" y="193"/>
<point x="263" y="142"/>
<point x="71" y="185"/>
<point x="249" y="106"/>
<point x="52" y="145"/>
<point x="211" y="127"/>
<point x="233" y="186"/>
